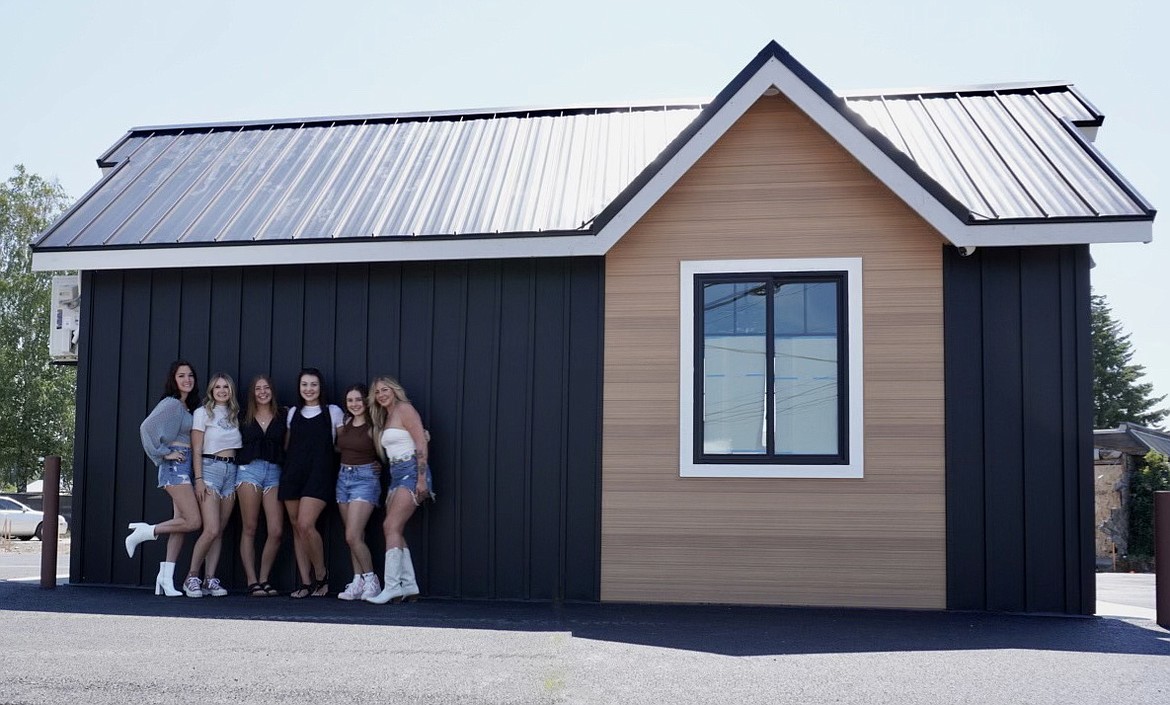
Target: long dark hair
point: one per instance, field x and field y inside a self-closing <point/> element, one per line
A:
<point x="321" y="399"/>
<point x="170" y="389"/>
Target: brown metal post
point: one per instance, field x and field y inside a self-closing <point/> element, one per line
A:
<point x="52" y="504"/>
<point x="1162" y="557"/>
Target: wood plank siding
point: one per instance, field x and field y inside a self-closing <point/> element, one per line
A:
<point x="501" y="357"/>
<point x="776" y="186"/>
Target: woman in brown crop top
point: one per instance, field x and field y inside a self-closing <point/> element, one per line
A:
<point x="358" y="489"/>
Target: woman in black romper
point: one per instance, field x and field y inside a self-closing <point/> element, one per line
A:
<point x="309" y="479"/>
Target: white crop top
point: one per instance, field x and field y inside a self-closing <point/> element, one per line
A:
<point x="398" y="443"/>
<point x="218" y="433"/>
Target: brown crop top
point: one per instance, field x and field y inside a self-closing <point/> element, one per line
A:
<point x="356" y="446"/>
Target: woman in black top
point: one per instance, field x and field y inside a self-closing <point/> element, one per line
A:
<point x="309" y="479"/>
<point x="257" y="478"/>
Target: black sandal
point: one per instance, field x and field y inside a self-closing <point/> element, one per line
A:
<point x="301" y="592"/>
<point x="269" y="591"/>
<point x="317" y="585"/>
<point x="255" y="590"/>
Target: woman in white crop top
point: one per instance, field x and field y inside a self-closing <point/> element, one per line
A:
<point x="215" y="438"/>
<point x="404" y="448"/>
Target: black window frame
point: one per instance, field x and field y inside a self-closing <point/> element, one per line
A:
<point x="769" y="457"/>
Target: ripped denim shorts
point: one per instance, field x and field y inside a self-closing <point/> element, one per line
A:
<point x="175" y="472"/>
<point x="261" y="474"/>
<point x="404" y="473"/>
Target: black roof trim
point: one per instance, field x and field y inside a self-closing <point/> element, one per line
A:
<point x="425" y="116"/>
<point x="510" y="235"/>
<point x="774" y="51"/>
<point x="972" y="89"/>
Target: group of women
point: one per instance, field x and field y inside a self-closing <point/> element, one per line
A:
<point x="277" y="462"/>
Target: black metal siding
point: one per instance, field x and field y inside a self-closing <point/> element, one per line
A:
<point x="1019" y="427"/>
<point x="502" y="359"/>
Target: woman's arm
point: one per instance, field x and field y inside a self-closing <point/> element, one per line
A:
<point x="198" y="425"/>
<point x="160" y="427"/>
<point x="197" y="461"/>
<point x="412" y="422"/>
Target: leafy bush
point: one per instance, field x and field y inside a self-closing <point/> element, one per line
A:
<point x="1152" y="475"/>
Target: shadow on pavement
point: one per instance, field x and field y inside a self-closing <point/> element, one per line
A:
<point x="732" y="631"/>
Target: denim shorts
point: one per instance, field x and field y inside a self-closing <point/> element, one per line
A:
<point x="404" y="473"/>
<point x="359" y="483"/>
<point x="260" y="473"/>
<point x="219" y="477"/>
<point x="175" y="472"/>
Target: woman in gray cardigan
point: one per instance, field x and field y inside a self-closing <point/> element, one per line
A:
<point x="166" y="438"/>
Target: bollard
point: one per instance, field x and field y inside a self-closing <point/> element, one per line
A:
<point x="1162" y="557"/>
<point x="52" y="504"/>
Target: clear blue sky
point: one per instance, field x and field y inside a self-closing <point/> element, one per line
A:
<point x="77" y="74"/>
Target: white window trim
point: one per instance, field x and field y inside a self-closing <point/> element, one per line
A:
<point x="855" y="404"/>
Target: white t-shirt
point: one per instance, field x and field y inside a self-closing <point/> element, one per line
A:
<point x="218" y="433"/>
<point x="336" y="416"/>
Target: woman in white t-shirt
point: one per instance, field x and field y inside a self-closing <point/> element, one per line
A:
<point x="215" y="438"/>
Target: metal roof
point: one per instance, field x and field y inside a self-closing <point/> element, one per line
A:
<point x="1013" y="152"/>
<point x="1006" y="154"/>
<point x="379" y="176"/>
<point x="1133" y="439"/>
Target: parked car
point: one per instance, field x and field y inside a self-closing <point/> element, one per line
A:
<point x="24" y="522"/>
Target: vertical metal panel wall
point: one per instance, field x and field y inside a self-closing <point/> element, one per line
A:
<point x="502" y="359"/>
<point x="1019" y="430"/>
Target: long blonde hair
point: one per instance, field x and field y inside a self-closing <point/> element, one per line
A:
<point x="378" y="416"/>
<point x="232" y="405"/>
<point x="250" y="415"/>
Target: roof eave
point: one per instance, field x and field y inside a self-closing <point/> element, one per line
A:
<point x="774" y="67"/>
<point x="342" y="250"/>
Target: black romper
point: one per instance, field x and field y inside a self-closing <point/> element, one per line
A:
<point x="310" y="463"/>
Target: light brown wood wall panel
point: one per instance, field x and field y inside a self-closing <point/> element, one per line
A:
<point x="776" y="186"/>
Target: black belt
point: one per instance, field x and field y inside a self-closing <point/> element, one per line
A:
<point x="222" y="459"/>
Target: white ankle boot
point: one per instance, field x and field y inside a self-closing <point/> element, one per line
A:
<point x="139" y="532"/>
<point x="390" y="589"/>
<point x="164" y="584"/>
<point x="409" y="586"/>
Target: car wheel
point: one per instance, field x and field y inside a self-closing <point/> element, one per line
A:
<point x="37" y="533"/>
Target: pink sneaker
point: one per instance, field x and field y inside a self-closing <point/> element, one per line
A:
<point x="354" y="590"/>
<point x="372" y="587"/>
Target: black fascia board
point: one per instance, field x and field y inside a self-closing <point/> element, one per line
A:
<point x="774" y="51"/>
<point x="365" y="239"/>
<point x="36" y="243"/>
<point x="422" y="116"/>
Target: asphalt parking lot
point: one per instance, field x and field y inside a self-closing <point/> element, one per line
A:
<point x="122" y="645"/>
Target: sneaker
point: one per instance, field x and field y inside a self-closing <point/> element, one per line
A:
<point x="353" y="591"/>
<point x="372" y="587"/>
<point x="192" y="586"/>
<point x="213" y="588"/>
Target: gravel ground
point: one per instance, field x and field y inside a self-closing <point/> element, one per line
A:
<point x="120" y="645"/>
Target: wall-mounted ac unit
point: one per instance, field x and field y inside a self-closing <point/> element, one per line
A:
<point x="65" y="308"/>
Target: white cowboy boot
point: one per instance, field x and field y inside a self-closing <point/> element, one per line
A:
<point x="164" y="584"/>
<point x="390" y="588"/>
<point x="409" y="587"/>
<point x="139" y="532"/>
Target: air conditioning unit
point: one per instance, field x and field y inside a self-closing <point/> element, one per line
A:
<point x="65" y="307"/>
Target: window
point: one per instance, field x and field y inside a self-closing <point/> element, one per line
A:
<point x="770" y="377"/>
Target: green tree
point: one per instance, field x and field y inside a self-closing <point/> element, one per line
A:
<point x="1118" y="395"/>
<point x="36" y="418"/>
<point x="1152" y="475"/>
